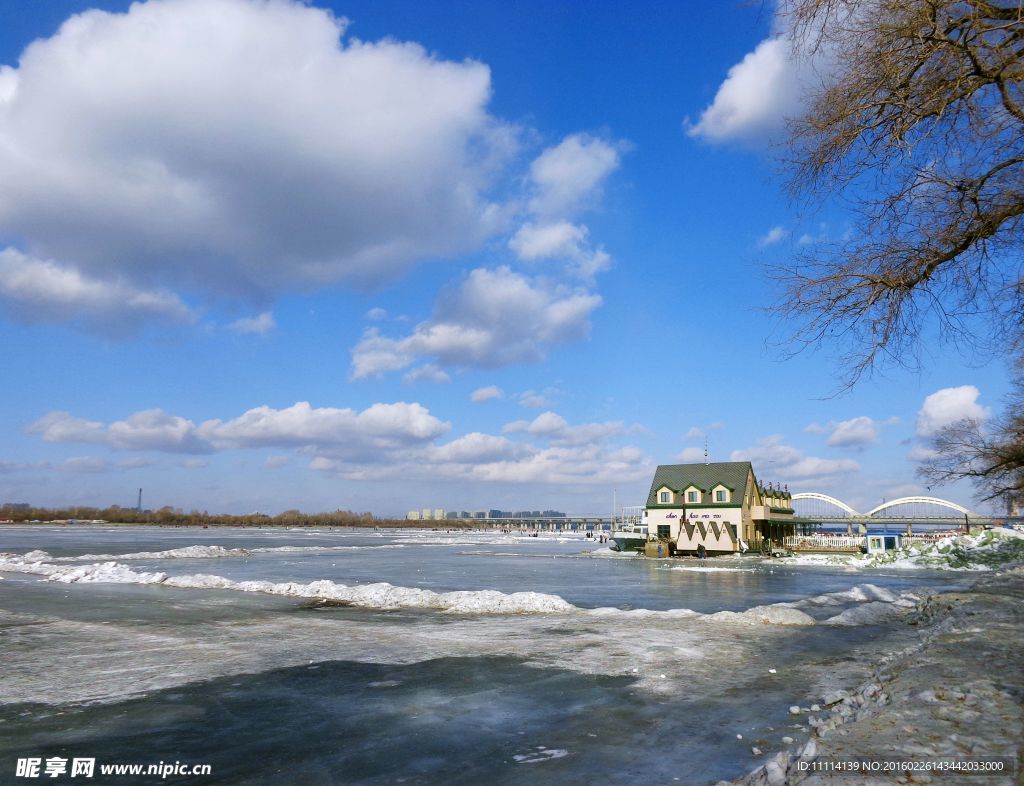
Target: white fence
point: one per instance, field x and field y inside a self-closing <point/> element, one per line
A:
<point x="829" y="542"/>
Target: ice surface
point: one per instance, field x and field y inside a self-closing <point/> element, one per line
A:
<point x="776" y="614"/>
<point x="866" y="614"/>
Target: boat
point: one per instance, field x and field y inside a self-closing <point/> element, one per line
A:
<point x="630" y="530"/>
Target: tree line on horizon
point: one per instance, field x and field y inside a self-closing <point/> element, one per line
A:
<point x="169" y="516"/>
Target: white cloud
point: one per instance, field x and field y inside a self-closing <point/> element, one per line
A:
<point x="247" y="148"/>
<point x="555" y="428"/>
<point x="691" y="455"/>
<point x="427" y="373"/>
<point x="151" y="429"/>
<point x="531" y="399"/>
<point x="384" y="442"/>
<point x="757" y="95"/>
<point x="771" y="456"/>
<point x="494" y="318"/>
<point x="487" y="393"/>
<point x="477" y="448"/>
<point x="700" y="432"/>
<point x="377" y="314"/>
<point x="379" y="427"/>
<point x="195" y="463"/>
<point x="37" y="290"/>
<point x="260" y="325"/>
<point x="856" y="432"/>
<point x="560" y="240"/>
<point x="85" y="464"/>
<point x="947" y="406"/>
<point x="922" y="453"/>
<point x="540" y="241"/>
<point x="774" y="235"/>
<point x="569" y="174"/>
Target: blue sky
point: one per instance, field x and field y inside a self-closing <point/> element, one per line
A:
<point x="390" y="255"/>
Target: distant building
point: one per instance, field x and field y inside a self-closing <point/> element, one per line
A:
<point x="413" y="515"/>
<point x="439" y="514"/>
<point x="426" y="514"/>
<point x="720" y="506"/>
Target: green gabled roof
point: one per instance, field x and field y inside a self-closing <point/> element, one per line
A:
<point x="678" y="477"/>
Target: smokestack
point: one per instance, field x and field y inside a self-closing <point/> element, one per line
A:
<point x="139" y="507"/>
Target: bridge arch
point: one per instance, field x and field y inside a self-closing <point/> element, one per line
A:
<point x="942" y="503"/>
<point x="825" y="498"/>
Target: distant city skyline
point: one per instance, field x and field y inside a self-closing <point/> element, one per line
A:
<point x="274" y="255"/>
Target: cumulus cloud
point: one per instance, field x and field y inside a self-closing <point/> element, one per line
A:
<point x="757" y="95"/>
<point x="947" y="406"/>
<point x="700" y="432"/>
<point x="38" y="290"/>
<point x="477" y="448"/>
<point x="691" y="455"/>
<point x="85" y="464"/>
<point x="532" y="400"/>
<point x="560" y="240"/>
<point x="381" y="426"/>
<point x="247" y="148"/>
<point x="493" y="318"/>
<point x="427" y="373"/>
<point x="773" y="457"/>
<point x="150" y="429"/>
<point x="377" y="314"/>
<point x="384" y="442"/>
<point x="774" y="235"/>
<point x="487" y="394"/>
<point x="260" y="325"/>
<point x="555" y="428"/>
<point x="568" y="175"/>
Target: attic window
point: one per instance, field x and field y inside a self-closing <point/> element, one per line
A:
<point x="664" y="496"/>
<point x="720" y="495"/>
<point x="691" y="496"/>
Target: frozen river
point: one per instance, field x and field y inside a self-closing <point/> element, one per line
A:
<point x="316" y="656"/>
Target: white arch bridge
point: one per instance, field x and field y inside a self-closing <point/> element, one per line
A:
<point x="815" y="506"/>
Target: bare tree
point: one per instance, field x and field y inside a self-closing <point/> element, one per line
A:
<point x="919" y="123"/>
<point x="990" y="455"/>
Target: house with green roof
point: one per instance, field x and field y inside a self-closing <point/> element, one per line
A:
<point x="719" y="505"/>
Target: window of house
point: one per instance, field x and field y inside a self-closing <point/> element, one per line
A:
<point x="720" y="495"/>
<point x="691" y="496"/>
<point x="664" y="497"/>
<point x="664" y="531"/>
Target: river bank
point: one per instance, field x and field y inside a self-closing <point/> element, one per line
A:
<point x="957" y="694"/>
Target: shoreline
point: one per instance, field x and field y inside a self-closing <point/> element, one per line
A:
<point x="957" y="693"/>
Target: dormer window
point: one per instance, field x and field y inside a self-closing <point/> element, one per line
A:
<point x="664" y="497"/>
<point x="721" y="493"/>
<point x="693" y="496"/>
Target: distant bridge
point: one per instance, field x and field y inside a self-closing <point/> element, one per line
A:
<point x="812" y="506"/>
<point x="541" y="523"/>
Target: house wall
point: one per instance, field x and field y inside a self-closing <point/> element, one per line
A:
<point x="720" y="515"/>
